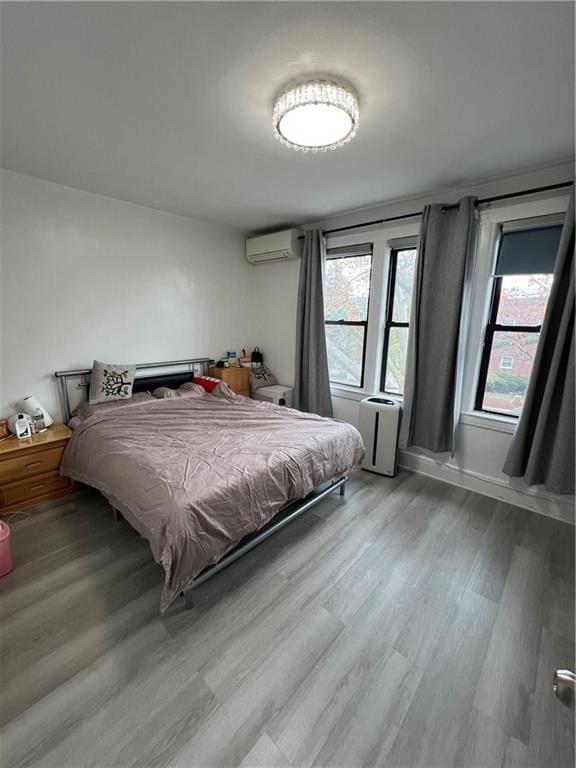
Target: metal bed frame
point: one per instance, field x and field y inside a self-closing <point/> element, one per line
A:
<point x="198" y="365"/>
<point x="282" y="518"/>
<point x="195" y="365"/>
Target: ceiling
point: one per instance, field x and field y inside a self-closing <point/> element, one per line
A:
<point x="169" y="104"/>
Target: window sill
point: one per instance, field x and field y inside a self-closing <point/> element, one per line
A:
<point x="353" y="393"/>
<point x="472" y="419"/>
<point x="348" y="393"/>
<point x="489" y="421"/>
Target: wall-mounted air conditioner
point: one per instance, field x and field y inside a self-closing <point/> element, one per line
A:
<point x="379" y="423"/>
<point x="278" y="246"/>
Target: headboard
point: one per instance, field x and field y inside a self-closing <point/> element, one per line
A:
<point x="74" y="385"/>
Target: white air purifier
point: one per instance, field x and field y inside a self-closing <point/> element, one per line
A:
<point x="379" y="424"/>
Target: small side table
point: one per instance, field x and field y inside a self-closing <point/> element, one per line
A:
<point x="29" y="469"/>
<point x="237" y="378"/>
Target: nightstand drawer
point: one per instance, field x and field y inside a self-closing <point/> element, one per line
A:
<point x="238" y="379"/>
<point x="31" y="489"/>
<point x="30" y="463"/>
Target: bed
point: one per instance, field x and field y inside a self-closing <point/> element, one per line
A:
<point x="206" y="478"/>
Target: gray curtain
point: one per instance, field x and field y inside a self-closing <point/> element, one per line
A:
<point x="542" y="450"/>
<point x="312" y="384"/>
<point x="432" y="369"/>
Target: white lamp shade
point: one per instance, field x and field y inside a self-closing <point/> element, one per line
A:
<point x="30" y="404"/>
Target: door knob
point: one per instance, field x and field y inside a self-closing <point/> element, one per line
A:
<point x="563" y="685"/>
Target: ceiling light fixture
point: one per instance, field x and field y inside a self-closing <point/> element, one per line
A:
<point x="316" y="116"/>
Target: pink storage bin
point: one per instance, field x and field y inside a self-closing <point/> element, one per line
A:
<point x="6" y="564"/>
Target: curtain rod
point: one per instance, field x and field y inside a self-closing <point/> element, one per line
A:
<point x="482" y="201"/>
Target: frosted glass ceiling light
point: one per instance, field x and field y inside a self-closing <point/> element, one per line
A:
<point x="316" y="116"/>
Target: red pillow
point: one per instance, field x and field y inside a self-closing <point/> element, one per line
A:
<point x="208" y="382"/>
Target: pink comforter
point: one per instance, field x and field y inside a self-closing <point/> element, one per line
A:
<point x="196" y="475"/>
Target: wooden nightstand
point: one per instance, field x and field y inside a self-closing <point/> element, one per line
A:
<point x="29" y="469"/>
<point x="238" y="379"/>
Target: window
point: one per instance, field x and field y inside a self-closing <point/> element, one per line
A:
<point x="346" y="300"/>
<point x="520" y="288"/>
<point x="398" y="305"/>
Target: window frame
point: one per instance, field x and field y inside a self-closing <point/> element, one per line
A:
<point x="389" y="322"/>
<point x="383" y="239"/>
<point x="493" y="327"/>
<point x="356" y="323"/>
<point x="491" y="220"/>
<point x="388" y="235"/>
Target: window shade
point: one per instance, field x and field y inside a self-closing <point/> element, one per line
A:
<point x="529" y="251"/>
<point x="404" y="243"/>
<point x="343" y="251"/>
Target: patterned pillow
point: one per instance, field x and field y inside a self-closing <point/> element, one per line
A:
<point x="260" y="376"/>
<point x="110" y="382"/>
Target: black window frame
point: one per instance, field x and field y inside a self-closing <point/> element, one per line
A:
<point x="493" y="327"/>
<point x="389" y="322"/>
<point x="362" y="323"/>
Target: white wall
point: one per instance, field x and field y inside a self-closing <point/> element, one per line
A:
<point x="274" y="298"/>
<point x="86" y="276"/>
<point x="481" y="447"/>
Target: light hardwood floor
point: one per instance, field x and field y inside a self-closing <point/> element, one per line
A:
<point x="408" y="624"/>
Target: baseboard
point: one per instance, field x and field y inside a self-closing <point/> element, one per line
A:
<point x="560" y="508"/>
